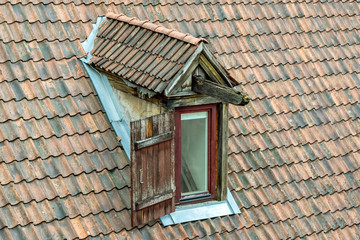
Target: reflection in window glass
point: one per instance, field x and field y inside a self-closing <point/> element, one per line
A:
<point x="194" y="153"/>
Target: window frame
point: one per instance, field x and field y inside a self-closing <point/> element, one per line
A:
<point x="211" y="109"/>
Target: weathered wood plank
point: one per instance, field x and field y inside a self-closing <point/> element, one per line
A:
<point x="222" y="163"/>
<point x="135" y="167"/>
<point x="151" y="178"/>
<point x="191" y="101"/>
<point x="154" y="200"/>
<point x="184" y="72"/>
<point x="210" y="70"/>
<point x="153" y="140"/>
<point x="119" y="84"/>
<point x="149" y="127"/>
<point x="226" y="94"/>
<point x="216" y="65"/>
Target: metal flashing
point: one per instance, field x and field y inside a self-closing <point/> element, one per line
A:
<point x="201" y="211"/>
<point x="105" y="93"/>
<point x="88" y="44"/>
<point x="112" y="109"/>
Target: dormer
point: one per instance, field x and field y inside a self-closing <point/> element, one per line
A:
<point x="159" y="64"/>
<point x="171" y="95"/>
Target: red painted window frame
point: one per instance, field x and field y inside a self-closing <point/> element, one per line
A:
<point x="212" y="135"/>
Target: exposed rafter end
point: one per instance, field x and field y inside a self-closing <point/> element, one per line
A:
<point x="221" y="92"/>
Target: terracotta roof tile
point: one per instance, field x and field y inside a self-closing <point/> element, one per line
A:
<point x="49" y="108"/>
<point x="41" y="89"/>
<point x="123" y="43"/>
<point x="294" y="168"/>
<point x="155" y="28"/>
<point x="60" y="166"/>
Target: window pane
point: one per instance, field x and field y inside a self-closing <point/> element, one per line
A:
<point x="194" y="152"/>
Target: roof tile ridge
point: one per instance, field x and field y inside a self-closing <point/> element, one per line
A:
<point x="294" y="62"/>
<point x="308" y="236"/>
<point x="256" y="225"/>
<point x="303" y="197"/>
<point x="294" y="145"/>
<point x="186" y="37"/>
<point x="297" y="127"/>
<point x="69" y="195"/>
<point x="47" y="97"/>
<point x="294" y="181"/>
<point x="57" y="219"/>
<point x="274" y="221"/>
<point x="301" y="78"/>
<point x="63" y="176"/>
<point x="45" y="79"/>
<point x="64" y="155"/>
<point x="52" y="117"/>
<point x="310" y="161"/>
<point x="53" y="137"/>
<point x="296" y="111"/>
<point x="99" y="130"/>
<point x="41" y="59"/>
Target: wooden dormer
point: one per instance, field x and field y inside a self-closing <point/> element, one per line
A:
<point x="159" y="65"/>
<point x="173" y="95"/>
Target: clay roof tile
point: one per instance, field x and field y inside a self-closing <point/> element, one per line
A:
<point x="156" y="28"/>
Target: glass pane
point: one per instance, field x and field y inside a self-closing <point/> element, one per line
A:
<point x="194" y="152"/>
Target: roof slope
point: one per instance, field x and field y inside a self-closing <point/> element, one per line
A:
<point x="141" y="52"/>
<point x="293" y="150"/>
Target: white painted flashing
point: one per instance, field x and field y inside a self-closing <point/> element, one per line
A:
<point x="88" y="44"/>
<point x="112" y="109"/>
<point x="202" y="211"/>
<point x="105" y="93"/>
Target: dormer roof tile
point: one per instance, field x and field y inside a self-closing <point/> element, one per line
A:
<point x="122" y="42"/>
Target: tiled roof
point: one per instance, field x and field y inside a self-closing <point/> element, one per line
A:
<point x="141" y="52"/>
<point x="293" y="150"/>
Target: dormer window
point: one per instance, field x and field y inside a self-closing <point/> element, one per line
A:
<point x="195" y="151"/>
<point x="167" y="98"/>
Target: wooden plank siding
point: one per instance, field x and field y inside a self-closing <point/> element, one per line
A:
<point x="152" y="168"/>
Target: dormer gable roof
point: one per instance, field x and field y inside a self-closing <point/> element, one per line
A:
<point x="152" y="57"/>
<point x="142" y="52"/>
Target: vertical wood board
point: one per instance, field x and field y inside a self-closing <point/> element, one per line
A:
<point x="152" y="169"/>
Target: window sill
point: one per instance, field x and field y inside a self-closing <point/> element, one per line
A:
<point x="201" y="211"/>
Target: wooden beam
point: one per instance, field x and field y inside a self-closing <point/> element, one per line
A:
<point x="153" y="140"/>
<point x="226" y="94"/>
<point x="191" y="101"/>
<point x="222" y="154"/>
<point x="153" y="200"/>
